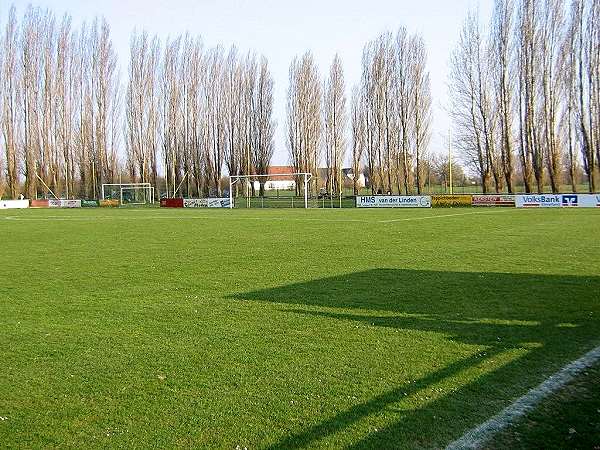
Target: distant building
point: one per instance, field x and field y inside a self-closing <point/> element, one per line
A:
<point x="347" y="178"/>
<point x="280" y="179"/>
<point x="361" y="181"/>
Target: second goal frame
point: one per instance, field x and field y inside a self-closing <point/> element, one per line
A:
<point x="119" y="188"/>
<point x="233" y="179"/>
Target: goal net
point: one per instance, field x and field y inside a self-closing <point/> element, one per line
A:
<point x="281" y="190"/>
<point x="129" y="193"/>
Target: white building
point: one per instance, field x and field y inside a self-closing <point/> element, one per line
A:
<point x="280" y="179"/>
<point x="361" y="181"/>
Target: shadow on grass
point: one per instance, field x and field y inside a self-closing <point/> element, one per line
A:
<point x="560" y="315"/>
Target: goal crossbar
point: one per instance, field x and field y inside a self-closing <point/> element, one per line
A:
<point x="233" y="179"/>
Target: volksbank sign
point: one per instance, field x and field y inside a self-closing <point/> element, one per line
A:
<point x="558" y="200"/>
<point x="393" y="201"/>
<point x="538" y="201"/>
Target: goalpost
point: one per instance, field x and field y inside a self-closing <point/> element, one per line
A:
<point x="233" y="179"/>
<point x="129" y="193"/>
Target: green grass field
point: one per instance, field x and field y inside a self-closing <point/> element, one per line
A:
<point x="568" y="419"/>
<point x="284" y="328"/>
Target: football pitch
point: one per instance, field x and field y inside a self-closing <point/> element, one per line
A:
<point x="144" y="328"/>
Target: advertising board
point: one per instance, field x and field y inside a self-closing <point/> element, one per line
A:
<point x="451" y="200"/>
<point x="206" y="203"/>
<point x="538" y="201"/>
<point x="493" y="200"/>
<point x="60" y="203"/>
<point x="108" y="203"/>
<point x="195" y="203"/>
<point x="218" y="202"/>
<point x="14" y="204"/>
<point x="38" y="203"/>
<point x="393" y="201"/>
<point x="171" y="203"/>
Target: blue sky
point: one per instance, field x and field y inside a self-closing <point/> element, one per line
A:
<point x="282" y="29"/>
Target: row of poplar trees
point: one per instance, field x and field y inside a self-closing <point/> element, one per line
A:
<point x="206" y="109"/>
<point x="185" y="113"/>
<point x="59" y="106"/>
<point x="386" y="131"/>
<point x="526" y="95"/>
<point x="525" y="104"/>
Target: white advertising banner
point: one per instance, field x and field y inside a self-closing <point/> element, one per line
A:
<point x="14" y="204"/>
<point x="538" y="201"/>
<point x="59" y="203"/>
<point x="195" y="203"/>
<point x="393" y="201"/>
<point x="206" y="203"/>
<point x="218" y="202"/>
<point x="558" y="200"/>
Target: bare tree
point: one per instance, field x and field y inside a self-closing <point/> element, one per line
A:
<point x="368" y="105"/>
<point x="405" y="60"/>
<point x="233" y="107"/>
<point x="31" y="64"/>
<point x="334" y="120"/>
<point x="359" y="135"/>
<point x="10" y="102"/>
<point x="48" y="162"/>
<point x="104" y="82"/>
<point x="64" y="106"/>
<point x="304" y="115"/>
<point x="470" y="108"/>
<point x="141" y="103"/>
<point x="551" y="95"/>
<point x="502" y="56"/>
<point x="263" y="119"/>
<point x="171" y="117"/>
<point x="190" y="96"/>
<point x="529" y="61"/>
<point x="585" y="18"/>
<point x="247" y="116"/>
<point x="215" y="110"/>
<point x="568" y="70"/>
<point x="421" y="109"/>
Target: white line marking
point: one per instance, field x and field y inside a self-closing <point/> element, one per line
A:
<point x="182" y="217"/>
<point x="443" y="215"/>
<point x="94" y="218"/>
<point x="305" y="219"/>
<point x="477" y="437"/>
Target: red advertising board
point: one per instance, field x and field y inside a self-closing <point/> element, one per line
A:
<point x="38" y="203"/>
<point x="493" y="200"/>
<point x="171" y="202"/>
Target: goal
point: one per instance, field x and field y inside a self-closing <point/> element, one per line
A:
<point x="129" y="193"/>
<point x="285" y="190"/>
